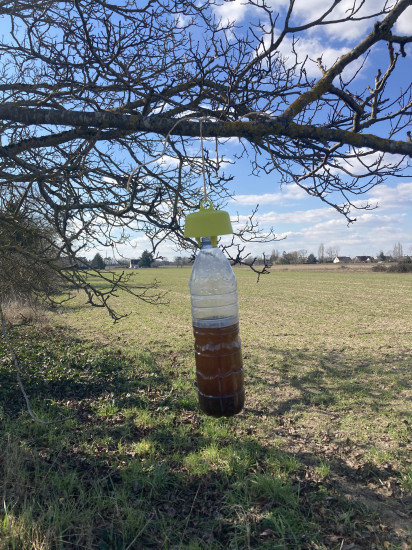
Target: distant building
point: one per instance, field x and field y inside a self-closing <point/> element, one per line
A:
<point x="363" y="259"/>
<point x="134" y="264"/>
<point x="342" y="260"/>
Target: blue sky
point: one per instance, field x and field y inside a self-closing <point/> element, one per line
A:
<point x="304" y="221"/>
<point x="301" y="221"/>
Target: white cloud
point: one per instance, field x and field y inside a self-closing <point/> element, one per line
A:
<point x="139" y="241"/>
<point x="110" y="181"/>
<point x="309" y="48"/>
<point x="368" y="238"/>
<point x="404" y="23"/>
<point x="302" y="217"/>
<point x="368" y="160"/>
<point x="399" y="197"/>
<point x="373" y="231"/>
<point x="296" y="217"/>
<point x="167" y="160"/>
<point x="374" y="218"/>
<point x="230" y="12"/>
<point x="329" y="41"/>
<point x="384" y="196"/>
<point x="182" y="20"/>
<point x="310" y="10"/>
<point x="314" y="48"/>
<point x="288" y="193"/>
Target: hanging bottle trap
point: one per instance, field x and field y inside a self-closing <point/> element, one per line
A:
<point x="215" y="318"/>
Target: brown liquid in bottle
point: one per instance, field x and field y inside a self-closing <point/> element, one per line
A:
<point x="219" y="370"/>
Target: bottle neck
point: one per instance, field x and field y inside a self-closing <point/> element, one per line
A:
<point x="205" y="242"/>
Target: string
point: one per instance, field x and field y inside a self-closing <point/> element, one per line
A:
<point x="203" y="161"/>
<point x="217" y="157"/>
<point x="166" y="140"/>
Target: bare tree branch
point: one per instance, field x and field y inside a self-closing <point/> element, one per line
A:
<point x="102" y="107"/>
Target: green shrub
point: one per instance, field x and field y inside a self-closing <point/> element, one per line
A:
<point x="380" y="268"/>
<point x="27" y="258"/>
<point x="404" y="266"/>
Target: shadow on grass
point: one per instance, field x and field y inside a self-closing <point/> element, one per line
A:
<point x="333" y="380"/>
<point x="138" y="467"/>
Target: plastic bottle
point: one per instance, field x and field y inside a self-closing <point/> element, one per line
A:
<point x="219" y="368"/>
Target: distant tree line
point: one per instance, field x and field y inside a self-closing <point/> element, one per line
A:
<point x="326" y="254"/>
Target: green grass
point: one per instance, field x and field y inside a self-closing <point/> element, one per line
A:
<point x="320" y="457"/>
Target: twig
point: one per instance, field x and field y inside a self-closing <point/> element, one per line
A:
<point x="18" y="375"/>
<point x="188" y="516"/>
<point x="139" y="533"/>
<point x="165" y="142"/>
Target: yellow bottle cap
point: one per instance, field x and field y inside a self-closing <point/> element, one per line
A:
<point x="208" y="222"/>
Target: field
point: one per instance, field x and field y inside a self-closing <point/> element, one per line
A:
<point x="319" y="458"/>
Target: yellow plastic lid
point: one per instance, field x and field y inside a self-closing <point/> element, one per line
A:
<point x="208" y="222"/>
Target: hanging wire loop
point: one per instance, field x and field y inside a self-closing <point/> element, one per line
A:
<point x="203" y="161"/>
